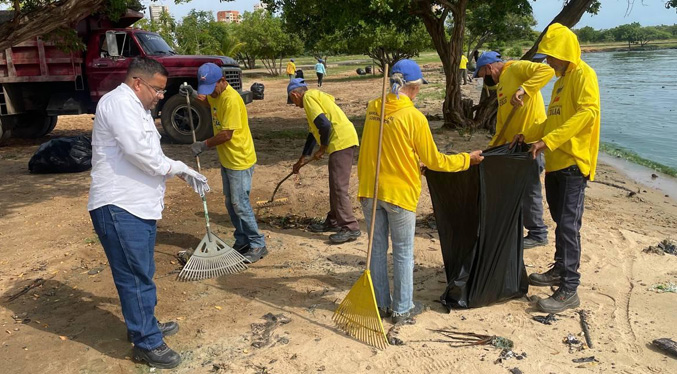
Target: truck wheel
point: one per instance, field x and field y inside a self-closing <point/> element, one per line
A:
<point x="4" y="134"/>
<point x="174" y="116"/>
<point x="33" y="125"/>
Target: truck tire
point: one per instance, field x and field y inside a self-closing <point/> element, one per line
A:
<point x="174" y="117"/>
<point x="33" y="125"/>
<point x="4" y="134"/>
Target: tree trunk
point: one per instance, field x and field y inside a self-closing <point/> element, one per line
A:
<point x="45" y="20"/>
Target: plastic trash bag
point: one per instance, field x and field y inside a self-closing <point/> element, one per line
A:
<point x="360" y="71"/>
<point x="479" y="218"/>
<point x="62" y="155"/>
<point x="257" y="91"/>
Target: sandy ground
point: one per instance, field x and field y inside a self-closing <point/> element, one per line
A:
<point x="73" y="324"/>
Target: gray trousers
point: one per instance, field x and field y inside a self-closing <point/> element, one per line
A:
<point x="532" y="203"/>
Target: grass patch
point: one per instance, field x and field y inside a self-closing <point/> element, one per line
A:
<point x="633" y="157"/>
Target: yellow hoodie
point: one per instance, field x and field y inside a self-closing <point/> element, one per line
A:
<point x="406" y="140"/>
<point x="571" y="132"/>
<point x="291" y="68"/>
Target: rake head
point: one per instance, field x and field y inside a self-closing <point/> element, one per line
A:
<point x="272" y="203"/>
<point x="358" y="314"/>
<point x="212" y="258"/>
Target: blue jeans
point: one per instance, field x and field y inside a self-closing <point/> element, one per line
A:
<point x="129" y="243"/>
<point x="532" y="203"/>
<point x="236" y="186"/>
<point x="402" y="225"/>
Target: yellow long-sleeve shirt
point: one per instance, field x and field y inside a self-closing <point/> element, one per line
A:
<point x="291" y="68"/>
<point x="571" y="131"/>
<point x="531" y="77"/>
<point x="406" y="140"/>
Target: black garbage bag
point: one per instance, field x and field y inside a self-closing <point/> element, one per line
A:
<point x="299" y="73"/>
<point x="360" y="71"/>
<point x="257" y="91"/>
<point x="367" y="69"/>
<point x="479" y="218"/>
<point x="71" y="154"/>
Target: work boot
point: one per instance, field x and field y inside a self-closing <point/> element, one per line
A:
<point x="161" y="357"/>
<point x="242" y="249"/>
<point x="385" y="312"/>
<point x="322" y="227"/>
<point x="344" y="235"/>
<point x="551" y="277"/>
<point x="167" y="329"/>
<point x="531" y="242"/>
<point x="416" y="310"/>
<point x="255" y="254"/>
<point x="560" y="301"/>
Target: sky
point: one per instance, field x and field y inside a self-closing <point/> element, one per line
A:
<point x="612" y="13"/>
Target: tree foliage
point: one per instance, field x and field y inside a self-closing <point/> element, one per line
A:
<point x="487" y="23"/>
<point x="632" y="33"/>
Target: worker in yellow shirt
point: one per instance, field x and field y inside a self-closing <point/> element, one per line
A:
<point x="291" y="69"/>
<point x="518" y="85"/>
<point x="329" y="126"/>
<point x="570" y="140"/>
<point x="407" y="140"/>
<point x="463" y="69"/>
<point x="235" y="146"/>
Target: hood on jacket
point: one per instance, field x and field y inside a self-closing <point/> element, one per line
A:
<point x="393" y="104"/>
<point x="561" y="43"/>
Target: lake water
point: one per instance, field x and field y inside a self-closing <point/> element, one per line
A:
<point x="639" y="101"/>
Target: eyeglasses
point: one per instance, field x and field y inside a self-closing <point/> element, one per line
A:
<point x="158" y="92"/>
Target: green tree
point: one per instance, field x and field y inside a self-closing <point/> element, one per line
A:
<point x="387" y="44"/>
<point x="487" y="23"/>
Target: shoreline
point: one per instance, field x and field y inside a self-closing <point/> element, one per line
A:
<point x="641" y="174"/>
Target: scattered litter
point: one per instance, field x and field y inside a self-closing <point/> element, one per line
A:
<point x="546" y="320"/>
<point x="465" y="339"/>
<point x="290" y="221"/>
<point x="664" y="287"/>
<point x="507" y="354"/>
<point x="575" y="345"/>
<point x="95" y="271"/>
<point x="584" y="359"/>
<point x="515" y="370"/>
<point x="262" y="332"/>
<point x="667" y="345"/>
<point x="668" y="246"/>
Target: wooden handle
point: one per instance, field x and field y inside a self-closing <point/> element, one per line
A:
<point x="506" y="124"/>
<point x="378" y="164"/>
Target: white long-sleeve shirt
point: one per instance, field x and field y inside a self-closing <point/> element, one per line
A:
<point x="129" y="168"/>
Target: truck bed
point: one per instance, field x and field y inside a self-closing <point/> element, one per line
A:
<point x="39" y="61"/>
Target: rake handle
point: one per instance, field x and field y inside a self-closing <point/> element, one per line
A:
<point x="506" y="123"/>
<point x="287" y="177"/>
<point x="197" y="160"/>
<point x="378" y="165"/>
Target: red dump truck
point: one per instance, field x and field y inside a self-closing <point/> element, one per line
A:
<point x="39" y="81"/>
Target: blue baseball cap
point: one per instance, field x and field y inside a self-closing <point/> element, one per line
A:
<point x="295" y="83"/>
<point x="292" y="60"/>
<point x="485" y="59"/>
<point x="538" y="57"/>
<point x="409" y="69"/>
<point x="207" y="76"/>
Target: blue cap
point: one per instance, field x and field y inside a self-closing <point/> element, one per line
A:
<point x="292" y="60"/>
<point x="485" y="59"/>
<point x="538" y="57"/>
<point x="320" y="60"/>
<point x="207" y="76"/>
<point x="409" y="70"/>
<point x="295" y="83"/>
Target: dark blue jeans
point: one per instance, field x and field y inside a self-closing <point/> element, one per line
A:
<point x="565" y="192"/>
<point x="532" y="203"/>
<point x="237" y="185"/>
<point x="129" y="243"/>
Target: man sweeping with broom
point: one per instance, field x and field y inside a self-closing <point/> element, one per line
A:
<point x="129" y="171"/>
<point x="406" y="140"/>
<point x="336" y="135"/>
<point x="235" y="146"/>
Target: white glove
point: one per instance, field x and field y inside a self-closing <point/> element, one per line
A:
<point x="195" y="180"/>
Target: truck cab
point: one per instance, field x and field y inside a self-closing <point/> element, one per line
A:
<point x="40" y="82"/>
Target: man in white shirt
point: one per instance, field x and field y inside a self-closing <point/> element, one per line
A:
<point x="129" y="171"/>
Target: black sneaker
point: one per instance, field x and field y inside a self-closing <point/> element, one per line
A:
<point x="416" y="310"/>
<point x="255" y="254"/>
<point x="344" y="235"/>
<point x="551" y="277"/>
<point x="385" y="312"/>
<point x="321" y="227"/>
<point x="167" y="329"/>
<point x="560" y="301"/>
<point x="242" y="250"/>
<point x="161" y="357"/>
<point x="530" y="242"/>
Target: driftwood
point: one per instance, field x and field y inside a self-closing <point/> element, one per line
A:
<point x="585" y="327"/>
<point x="36" y="283"/>
<point x="666" y="344"/>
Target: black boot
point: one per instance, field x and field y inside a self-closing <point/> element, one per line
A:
<point x="161" y="357"/>
<point x="167" y="329"/>
<point x="344" y="235"/>
<point x="560" y="301"/>
<point x="255" y="254"/>
<point x="551" y="277"/>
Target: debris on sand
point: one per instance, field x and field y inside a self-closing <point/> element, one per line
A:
<point x="575" y="345"/>
<point x="664" y="287"/>
<point x="546" y="320"/>
<point x="393" y="331"/>
<point x="465" y="339"/>
<point x="262" y="332"/>
<point x="290" y="221"/>
<point x="507" y="354"/>
<point x="668" y="246"/>
<point x="667" y="345"/>
<point x="584" y="359"/>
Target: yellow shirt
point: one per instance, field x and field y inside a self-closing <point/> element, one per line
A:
<point x="406" y="140"/>
<point x="230" y="113"/>
<point x="291" y="68"/>
<point x="343" y="134"/>
<point x="464" y="62"/>
<point x="571" y="132"/>
<point x="531" y="77"/>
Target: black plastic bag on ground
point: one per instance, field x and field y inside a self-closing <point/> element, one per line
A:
<point x="62" y="155"/>
<point x="360" y="71"/>
<point x="479" y="219"/>
<point x="257" y="91"/>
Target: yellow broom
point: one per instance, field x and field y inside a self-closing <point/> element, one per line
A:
<point x="358" y="314"/>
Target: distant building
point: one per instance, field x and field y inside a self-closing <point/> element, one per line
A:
<point x="258" y="6"/>
<point x="156" y="11"/>
<point x="228" y="16"/>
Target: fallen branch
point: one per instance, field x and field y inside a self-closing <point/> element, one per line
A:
<point x="586" y="327"/>
<point x="36" y="283"/>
